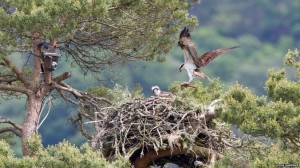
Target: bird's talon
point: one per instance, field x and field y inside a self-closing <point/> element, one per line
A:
<point x="186" y="84"/>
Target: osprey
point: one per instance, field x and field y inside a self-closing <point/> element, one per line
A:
<point x="191" y="61"/>
<point x="157" y="92"/>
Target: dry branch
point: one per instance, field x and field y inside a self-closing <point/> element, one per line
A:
<point x="16" y="128"/>
<point x="8" y="121"/>
<point x="17" y="71"/>
<point x="11" y="129"/>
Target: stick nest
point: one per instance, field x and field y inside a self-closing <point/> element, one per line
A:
<point x="155" y="123"/>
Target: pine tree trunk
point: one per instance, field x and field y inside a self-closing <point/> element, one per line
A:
<point x="37" y="93"/>
<point x="34" y="105"/>
<point x="34" y="98"/>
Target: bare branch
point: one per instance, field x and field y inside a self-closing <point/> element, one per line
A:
<point x="11" y="129"/>
<point x="65" y="87"/>
<point x="62" y="77"/>
<point x="13" y="88"/>
<point x="8" y="81"/>
<point x="16" y="129"/>
<point x="8" y="121"/>
<point x="17" y="71"/>
<point x="78" y="124"/>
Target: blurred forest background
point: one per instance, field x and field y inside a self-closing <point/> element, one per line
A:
<point x="264" y="29"/>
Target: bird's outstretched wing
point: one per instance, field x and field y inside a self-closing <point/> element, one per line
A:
<point x="186" y="43"/>
<point x="210" y="55"/>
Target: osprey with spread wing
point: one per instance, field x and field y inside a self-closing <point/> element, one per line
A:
<point x="191" y="61"/>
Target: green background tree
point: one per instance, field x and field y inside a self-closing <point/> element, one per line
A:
<point x="273" y="119"/>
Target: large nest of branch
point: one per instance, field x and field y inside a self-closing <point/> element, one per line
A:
<point x="150" y="129"/>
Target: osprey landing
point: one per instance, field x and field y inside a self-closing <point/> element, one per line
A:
<point x="192" y="63"/>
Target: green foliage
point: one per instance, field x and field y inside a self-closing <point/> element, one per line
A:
<point x="276" y="116"/>
<point x="97" y="33"/>
<point x="283" y="89"/>
<point x="240" y="104"/>
<point x="189" y="98"/>
<point x="232" y="161"/>
<point x="274" y="157"/>
<point x="61" y="155"/>
<point x="257" y="117"/>
<point x="290" y="59"/>
<point x="265" y="157"/>
<point x="5" y="153"/>
<point x="8" y="137"/>
<point x="34" y="144"/>
<point x="5" y="149"/>
<point x="118" y="94"/>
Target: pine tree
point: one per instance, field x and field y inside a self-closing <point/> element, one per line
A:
<point x="94" y="35"/>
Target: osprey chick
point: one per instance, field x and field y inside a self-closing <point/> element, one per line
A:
<point x="157" y="92"/>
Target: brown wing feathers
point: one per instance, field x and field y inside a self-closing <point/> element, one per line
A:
<point x="210" y="55"/>
<point x="186" y="43"/>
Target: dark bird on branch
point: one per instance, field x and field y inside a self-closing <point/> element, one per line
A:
<point x="191" y="61"/>
<point x="157" y="92"/>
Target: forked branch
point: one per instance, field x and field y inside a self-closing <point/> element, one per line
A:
<point x="16" y="128"/>
<point x="17" y="71"/>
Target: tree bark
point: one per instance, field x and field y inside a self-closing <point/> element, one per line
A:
<point x="34" y="105"/>
<point x="37" y="60"/>
<point x="34" y="98"/>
